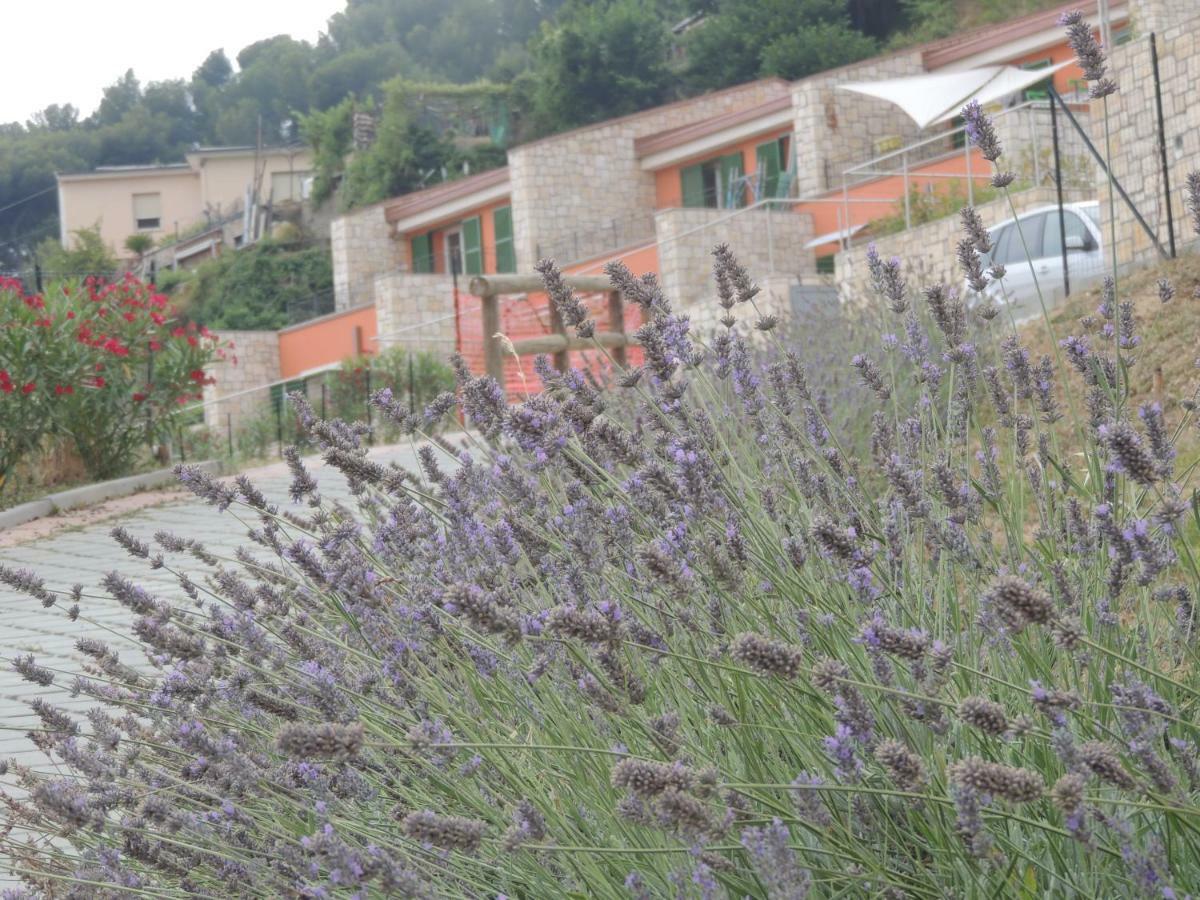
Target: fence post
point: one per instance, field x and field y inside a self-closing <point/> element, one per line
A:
<point x="770" y="241"/>
<point x="970" y="179"/>
<point x="907" y="199"/>
<point x="324" y="391"/>
<point x="229" y="432"/>
<point x="493" y="361"/>
<point x="846" y="211"/>
<point x="1033" y="143"/>
<point x="412" y="387"/>
<point x="1162" y="145"/>
<point x="1062" y="222"/>
<point x="279" y="421"/>
<point x="616" y="322"/>
<point x="562" y="358"/>
<point x="367" y="373"/>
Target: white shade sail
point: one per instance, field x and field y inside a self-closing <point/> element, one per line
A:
<point x="940" y="96"/>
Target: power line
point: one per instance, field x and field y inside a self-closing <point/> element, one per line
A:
<point x="30" y="197"/>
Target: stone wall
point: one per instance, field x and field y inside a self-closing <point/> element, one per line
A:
<point x="835" y="128"/>
<point x="252" y="363"/>
<point x="1133" y="126"/>
<point x="584" y="179"/>
<point x="927" y="252"/>
<point x="362" y="248"/>
<point x="417" y="312"/>
<point x="768" y="244"/>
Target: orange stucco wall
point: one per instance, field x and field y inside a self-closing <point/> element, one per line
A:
<point x="884" y="196"/>
<point x="668" y="186"/>
<point x="487" y="234"/>
<point x="329" y="339"/>
<point x="640" y="260"/>
<point x="1056" y="54"/>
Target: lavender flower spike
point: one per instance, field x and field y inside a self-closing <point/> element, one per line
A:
<point x="1088" y="52"/>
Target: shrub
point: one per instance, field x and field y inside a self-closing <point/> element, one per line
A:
<point x="99" y="362"/>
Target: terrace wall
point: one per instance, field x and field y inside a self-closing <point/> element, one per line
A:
<point x="363" y="248"/>
<point x="253" y="362"/>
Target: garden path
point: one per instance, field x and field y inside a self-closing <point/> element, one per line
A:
<point x="84" y="555"/>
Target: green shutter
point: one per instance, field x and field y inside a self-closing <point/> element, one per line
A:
<point x="731" y="169"/>
<point x="768" y="168"/>
<point x="422" y="253"/>
<point x="472" y="237"/>
<point x="506" y="256"/>
<point x="692" y="180"/>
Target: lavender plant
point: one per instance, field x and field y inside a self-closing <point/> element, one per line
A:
<point x="699" y="634"/>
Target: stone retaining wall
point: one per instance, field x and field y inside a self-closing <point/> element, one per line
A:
<point x="767" y="243"/>
<point x="363" y="248"/>
<point x="253" y="362"/>
<point x="417" y="312"/>
<point x="1133" y="127"/>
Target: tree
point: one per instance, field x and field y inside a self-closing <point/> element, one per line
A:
<point x="119" y="98"/>
<point x="215" y="71"/>
<point x="598" y="61"/>
<point x="55" y="118"/>
<point x="139" y="244"/>
<point x="748" y="39"/>
<point x="330" y="134"/>
<point x="87" y="255"/>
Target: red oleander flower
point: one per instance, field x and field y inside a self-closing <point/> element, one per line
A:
<point x="70" y="314"/>
<point x="155" y="346"/>
<point x="99" y="381"/>
<point x="192" y="342"/>
<point x="129" y="316"/>
<point x="138" y="396"/>
<point x="157" y="318"/>
<point x="28" y="388"/>
<point x="60" y="389"/>
<point x="177" y="332"/>
<point x="196" y="374"/>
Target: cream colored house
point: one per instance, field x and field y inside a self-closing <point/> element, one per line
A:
<point x="166" y="201"/>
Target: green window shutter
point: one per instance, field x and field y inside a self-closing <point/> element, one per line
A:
<point x="768" y="168"/>
<point x="506" y="256"/>
<point x="731" y="169"/>
<point x="692" y="180"/>
<point x="422" y="253"/>
<point x="472" y="238"/>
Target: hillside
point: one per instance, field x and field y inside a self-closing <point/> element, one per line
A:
<point x="1166" y="368"/>
<point x="539" y="66"/>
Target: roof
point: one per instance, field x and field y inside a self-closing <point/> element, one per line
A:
<point x="443" y="194"/>
<point x="675" y="137"/>
<point x="965" y="44"/>
<point x="249" y="150"/>
<point x="103" y="172"/>
<point x="653" y="111"/>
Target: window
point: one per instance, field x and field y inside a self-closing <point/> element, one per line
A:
<point x="825" y="265"/>
<point x="422" y="252"/>
<point x="147" y="211"/>
<point x="1051" y="245"/>
<point x="502" y="228"/>
<point x="1009" y="250"/>
<point x="1041" y="90"/>
<point x="772" y="162"/>
<point x="714" y="183"/>
<point x="287" y="186"/>
<point x="472" y="244"/>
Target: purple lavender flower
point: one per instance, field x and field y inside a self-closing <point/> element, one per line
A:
<point x="1088" y="53"/>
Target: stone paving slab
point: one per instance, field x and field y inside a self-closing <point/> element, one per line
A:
<point x="84" y="556"/>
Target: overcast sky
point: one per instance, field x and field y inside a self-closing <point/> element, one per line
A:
<point x="67" y="51"/>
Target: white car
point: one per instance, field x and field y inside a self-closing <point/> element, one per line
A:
<point x="1041" y="233"/>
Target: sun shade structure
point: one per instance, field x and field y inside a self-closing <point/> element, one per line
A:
<point x="940" y="96"/>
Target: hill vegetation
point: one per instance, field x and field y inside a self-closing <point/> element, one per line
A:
<point x="544" y="65"/>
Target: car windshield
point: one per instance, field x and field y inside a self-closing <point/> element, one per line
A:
<point x="1093" y="213"/>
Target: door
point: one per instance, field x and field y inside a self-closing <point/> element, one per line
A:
<point x="1018" y="289"/>
<point x="454" y="255"/>
<point x="1084" y="257"/>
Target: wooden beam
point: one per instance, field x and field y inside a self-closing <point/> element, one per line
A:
<point x="560" y="343"/>
<point x="492" y="354"/>
<point x="493" y="285"/>
<point x="616" y="321"/>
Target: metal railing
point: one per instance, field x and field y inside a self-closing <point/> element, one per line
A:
<point x="1025" y="132"/>
<point x="621" y="231"/>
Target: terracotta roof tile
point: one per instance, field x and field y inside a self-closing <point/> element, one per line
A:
<point x="419" y="201"/>
<point x="674" y="137"/>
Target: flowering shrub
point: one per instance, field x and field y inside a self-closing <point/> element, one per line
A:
<point x="103" y="363"/>
<point x="678" y="638"/>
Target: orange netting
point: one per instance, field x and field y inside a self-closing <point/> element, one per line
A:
<point x="527" y="316"/>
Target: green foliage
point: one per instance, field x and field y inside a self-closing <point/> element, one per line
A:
<point x="87" y="255"/>
<point x="749" y="39"/>
<point x="102" y="364"/>
<point x="139" y="244"/>
<point x="596" y="61"/>
<point x="330" y="133"/>
<point x="251" y="289"/>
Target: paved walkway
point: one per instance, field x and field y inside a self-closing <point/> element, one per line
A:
<point x="84" y="556"/>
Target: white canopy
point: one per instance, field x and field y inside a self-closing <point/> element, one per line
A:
<point x="940" y="96"/>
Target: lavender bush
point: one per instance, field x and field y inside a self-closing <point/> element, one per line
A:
<point x="683" y="637"/>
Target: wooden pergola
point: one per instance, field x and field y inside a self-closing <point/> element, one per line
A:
<point x="489" y="289"/>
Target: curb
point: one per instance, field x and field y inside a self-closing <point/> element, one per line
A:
<point x="91" y="494"/>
